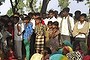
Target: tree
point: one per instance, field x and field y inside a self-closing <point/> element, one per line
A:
<point x="16" y="6"/>
<point x="29" y="5"/>
<point x="1" y="1"/>
<point x="63" y="3"/>
<point x="44" y="6"/>
<point x="88" y="3"/>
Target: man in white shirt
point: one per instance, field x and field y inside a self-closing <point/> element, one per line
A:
<point x="18" y="29"/>
<point x="66" y="25"/>
<point x="51" y="17"/>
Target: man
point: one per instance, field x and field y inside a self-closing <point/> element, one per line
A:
<point x="28" y="31"/>
<point x="66" y="25"/>
<point x="18" y="38"/>
<point x="51" y="17"/>
<point x="80" y="32"/>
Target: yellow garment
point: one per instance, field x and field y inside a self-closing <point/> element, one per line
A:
<point x="84" y="30"/>
<point x="89" y="25"/>
<point x="36" y="56"/>
<point x="65" y="58"/>
<point x="70" y="49"/>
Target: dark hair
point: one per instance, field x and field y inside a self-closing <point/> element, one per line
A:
<point x="83" y="15"/>
<point x="51" y="11"/>
<point x="27" y="18"/>
<point x="77" y="12"/>
<point x="56" y="23"/>
<point x="39" y="18"/>
<point x="48" y="50"/>
<point x="37" y="14"/>
<point x="71" y="14"/>
<point x="66" y="9"/>
<point x="49" y="22"/>
<point x="16" y="18"/>
<point x="30" y="14"/>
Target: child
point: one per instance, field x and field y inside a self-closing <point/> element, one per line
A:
<point x="54" y="37"/>
<point x="40" y="30"/>
<point x="28" y="30"/>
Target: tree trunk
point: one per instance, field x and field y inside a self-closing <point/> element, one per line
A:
<point x="14" y="8"/>
<point x="44" y="6"/>
<point x="31" y="5"/>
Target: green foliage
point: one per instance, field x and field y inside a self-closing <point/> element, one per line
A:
<point x="40" y="6"/>
<point x="63" y="3"/>
<point x="20" y="6"/>
<point x="2" y="0"/>
<point x="10" y="13"/>
<point x="28" y="8"/>
<point x="88" y="3"/>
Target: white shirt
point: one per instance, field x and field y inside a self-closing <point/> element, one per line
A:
<point x="46" y="21"/>
<point x="1" y="35"/>
<point x="16" y="37"/>
<point x="59" y="20"/>
<point x="64" y="29"/>
<point x="53" y="19"/>
<point x="33" y="22"/>
<point x="89" y="25"/>
<point x="80" y="26"/>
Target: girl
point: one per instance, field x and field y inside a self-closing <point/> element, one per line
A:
<point x="40" y="30"/>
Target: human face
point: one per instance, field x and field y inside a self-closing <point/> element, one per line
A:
<point x="49" y="26"/>
<point x="51" y="15"/>
<point x="26" y="21"/>
<point x="64" y="13"/>
<point x="82" y="19"/>
<point x="37" y="21"/>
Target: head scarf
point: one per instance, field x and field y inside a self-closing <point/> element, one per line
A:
<point x="67" y="43"/>
<point x="67" y="48"/>
<point x="58" y="57"/>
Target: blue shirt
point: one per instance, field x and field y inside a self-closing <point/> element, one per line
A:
<point x="28" y="30"/>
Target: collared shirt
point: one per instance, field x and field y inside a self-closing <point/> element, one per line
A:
<point x="46" y="21"/>
<point x="80" y="26"/>
<point x="16" y="36"/>
<point x="53" y="19"/>
<point x="64" y="29"/>
<point x="28" y="30"/>
<point x="59" y="20"/>
<point x="33" y="22"/>
<point x="89" y="25"/>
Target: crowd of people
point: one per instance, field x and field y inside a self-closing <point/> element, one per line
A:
<point x="45" y="36"/>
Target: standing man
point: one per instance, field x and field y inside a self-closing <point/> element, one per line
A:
<point x="66" y="25"/>
<point x="28" y="31"/>
<point x="80" y="32"/>
<point x="18" y="38"/>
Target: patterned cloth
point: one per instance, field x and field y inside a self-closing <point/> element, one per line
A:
<point x="28" y="30"/>
<point x="40" y="38"/>
<point x="39" y="43"/>
<point x="74" y="55"/>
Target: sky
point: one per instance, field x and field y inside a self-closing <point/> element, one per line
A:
<point x="53" y="4"/>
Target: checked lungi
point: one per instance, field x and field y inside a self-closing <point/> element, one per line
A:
<point x="39" y="44"/>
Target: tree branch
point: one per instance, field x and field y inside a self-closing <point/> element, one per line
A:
<point x="31" y="5"/>
<point x="13" y="9"/>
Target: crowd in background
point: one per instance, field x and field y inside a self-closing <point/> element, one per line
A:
<point x="45" y="36"/>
